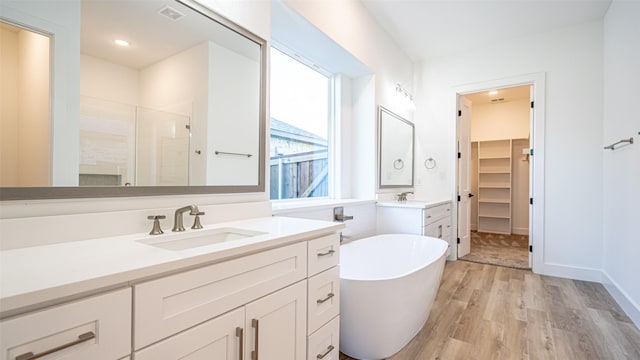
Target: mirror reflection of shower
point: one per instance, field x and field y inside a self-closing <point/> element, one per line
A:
<point x="122" y="144"/>
<point x="25" y="107"/>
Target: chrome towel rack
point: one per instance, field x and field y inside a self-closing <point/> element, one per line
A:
<point x="231" y="153"/>
<point x="628" y="141"/>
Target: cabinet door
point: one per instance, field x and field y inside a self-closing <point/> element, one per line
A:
<point x="276" y="325"/>
<point x="220" y="338"/>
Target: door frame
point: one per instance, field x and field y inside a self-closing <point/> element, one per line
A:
<point x="536" y="174"/>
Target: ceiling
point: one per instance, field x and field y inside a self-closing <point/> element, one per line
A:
<point x="434" y="28"/>
<point x="152" y="36"/>
<point x="500" y="95"/>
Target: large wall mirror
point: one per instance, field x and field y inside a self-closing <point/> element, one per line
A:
<point x="395" y="150"/>
<point x="170" y="100"/>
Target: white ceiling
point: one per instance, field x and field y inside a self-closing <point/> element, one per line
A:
<point x="500" y="96"/>
<point x="431" y="28"/>
<point x="153" y="37"/>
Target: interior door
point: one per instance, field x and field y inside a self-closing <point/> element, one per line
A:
<point x="531" y="134"/>
<point x="464" y="183"/>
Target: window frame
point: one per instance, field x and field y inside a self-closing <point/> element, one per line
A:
<point x="332" y="123"/>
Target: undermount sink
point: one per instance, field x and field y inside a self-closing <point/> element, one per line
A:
<point x="190" y="240"/>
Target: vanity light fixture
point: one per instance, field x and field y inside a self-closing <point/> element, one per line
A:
<point x="405" y="96"/>
<point x="402" y="91"/>
<point x="120" y="42"/>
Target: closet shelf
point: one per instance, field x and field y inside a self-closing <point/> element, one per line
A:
<point x="495" y="201"/>
<point x="505" y="171"/>
<point x="506" y="217"/>
<point x="494" y="157"/>
<point x="494" y="183"/>
<point x="495" y="186"/>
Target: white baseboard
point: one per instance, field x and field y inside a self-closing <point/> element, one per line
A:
<point x="520" y="231"/>
<point x="620" y="296"/>
<point x="630" y="307"/>
<point x="569" y="272"/>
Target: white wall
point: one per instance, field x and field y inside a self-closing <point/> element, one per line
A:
<point x="33" y="110"/>
<point x="621" y="169"/>
<point x="232" y="110"/>
<point x="507" y="120"/>
<point x="572" y="60"/>
<point x="8" y="107"/>
<point x="63" y="20"/>
<point x="108" y="81"/>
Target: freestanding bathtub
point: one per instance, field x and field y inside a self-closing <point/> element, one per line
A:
<point x="387" y="286"/>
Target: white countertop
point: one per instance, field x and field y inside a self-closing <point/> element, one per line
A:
<point x="42" y="274"/>
<point x="417" y="204"/>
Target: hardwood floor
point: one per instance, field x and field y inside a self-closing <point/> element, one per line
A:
<point x="491" y="312"/>
<point x="499" y="249"/>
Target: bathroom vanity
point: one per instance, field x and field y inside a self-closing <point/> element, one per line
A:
<point x="273" y="292"/>
<point x="415" y="217"/>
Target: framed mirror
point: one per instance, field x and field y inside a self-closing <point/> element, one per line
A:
<point x="395" y="150"/>
<point x="171" y="100"/>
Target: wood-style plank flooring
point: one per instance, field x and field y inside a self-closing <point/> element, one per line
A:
<point x="492" y="312"/>
<point x="499" y="249"/>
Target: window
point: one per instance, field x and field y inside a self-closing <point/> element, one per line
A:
<point x="301" y="100"/>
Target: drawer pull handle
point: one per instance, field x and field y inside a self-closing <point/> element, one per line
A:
<point x="255" y="325"/>
<point x="240" y="335"/>
<point x="81" y="338"/>
<point x="330" y="252"/>
<point x="329" y="296"/>
<point x="428" y="216"/>
<point x="329" y="349"/>
<point x="440" y="231"/>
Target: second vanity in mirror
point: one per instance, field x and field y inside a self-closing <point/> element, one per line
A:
<point x="171" y="100"/>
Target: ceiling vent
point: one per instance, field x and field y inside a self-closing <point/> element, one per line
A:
<point x="171" y="13"/>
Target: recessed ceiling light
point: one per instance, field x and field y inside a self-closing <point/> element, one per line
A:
<point x="493" y="92"/>
<point x="121" y="42"/>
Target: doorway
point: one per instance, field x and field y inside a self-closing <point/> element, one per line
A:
<point x="494" y="182"/>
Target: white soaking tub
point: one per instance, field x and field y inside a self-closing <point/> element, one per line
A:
<point x="387" y="286"/>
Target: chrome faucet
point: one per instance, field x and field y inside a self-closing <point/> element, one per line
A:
<point x="177" y="217"/>
<point x="403" y="196"/>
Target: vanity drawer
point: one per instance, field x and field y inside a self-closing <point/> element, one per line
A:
<point x="324" y="343"/>
<point x="95" y="328"/>
<point x="323" y="252"/>
<point x="174" y="303"/>
<point x="439" y="229"/>
<point x="323" y="298"/>
<point x="437" y="212"/>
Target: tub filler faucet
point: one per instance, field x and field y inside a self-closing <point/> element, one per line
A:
<point x="177" y="217"/>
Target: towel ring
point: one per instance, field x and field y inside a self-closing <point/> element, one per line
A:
<point x="430" y="163"/>
<point x="398" y="164"/>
